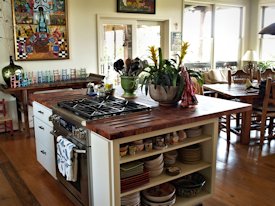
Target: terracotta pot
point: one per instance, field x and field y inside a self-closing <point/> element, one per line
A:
<point x="129" y="84"/>
<point x="165" y="97"/>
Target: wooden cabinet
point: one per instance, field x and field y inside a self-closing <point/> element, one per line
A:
<point x="44" y="140"/>
<point x="106" y="162"/>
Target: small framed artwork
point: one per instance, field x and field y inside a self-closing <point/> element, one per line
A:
<point x="137" y="6"/>
<point x="176" y="41"/>
<point x="40" y="29"/>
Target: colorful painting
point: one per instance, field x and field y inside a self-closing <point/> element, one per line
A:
<point x="137" y="6"/>
<point x="40" y="29"/>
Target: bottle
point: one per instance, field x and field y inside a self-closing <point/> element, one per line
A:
<point x="10" y="70"/>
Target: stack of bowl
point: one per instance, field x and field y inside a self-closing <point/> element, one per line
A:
<point x="160" y="195"/>
<point x="194" y="132"/>
<point x="154" y="165"/>
<point x="170" y="157"/>
<point x="131" y="200"/>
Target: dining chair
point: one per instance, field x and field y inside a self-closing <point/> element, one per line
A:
<point x="237" y="77"/>
<point x="266" y="109"/>
<point x="264" y="75"/>
<point x="5" y="120"/>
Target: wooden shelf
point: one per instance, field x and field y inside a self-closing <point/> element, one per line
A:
<point x="186" y="142"/>
<point x="185" y="170"/>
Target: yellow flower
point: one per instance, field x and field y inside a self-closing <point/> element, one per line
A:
<point x="183" y="51"/>
<point x="153" y="52"/>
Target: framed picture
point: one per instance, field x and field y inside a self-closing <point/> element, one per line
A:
<point x="136" y="6"/>
<point x="176" y="41"/>
<point x="40" y="29"/>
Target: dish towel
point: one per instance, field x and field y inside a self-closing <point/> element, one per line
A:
<point x="66" y="158"/>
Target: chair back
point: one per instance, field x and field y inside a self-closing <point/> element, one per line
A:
<point x="269" y="98"/>
<point x="264" y="75"/>
<point x="3" y="110"/>
<point x="238" y="77"/>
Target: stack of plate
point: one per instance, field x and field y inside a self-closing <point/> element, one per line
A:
<point x="170" y="157"/>
<point x="154" y="165"/>
<point x="131" y="169"/>
<point x="132" y="182"/>
<point x="160" y="195"/>
<point x="190" y="154"/>
<point x="131" y="200"/>
<point x="194" y="132"/>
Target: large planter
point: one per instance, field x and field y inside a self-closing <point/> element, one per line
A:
<point x="129" y="84"/>
<point x="167" y="96"/>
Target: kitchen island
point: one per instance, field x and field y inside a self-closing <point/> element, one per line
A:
<point x="109" y="134"/>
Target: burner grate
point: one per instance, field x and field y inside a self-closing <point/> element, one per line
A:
<point x="97" y="107"/>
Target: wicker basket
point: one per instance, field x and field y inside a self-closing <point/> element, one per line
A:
<point x="189" y="185"/>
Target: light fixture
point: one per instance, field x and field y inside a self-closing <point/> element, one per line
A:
<point x="268" y="30"/>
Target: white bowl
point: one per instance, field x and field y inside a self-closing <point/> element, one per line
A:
<point x="154" y="173"/>
<point x="154" y="167"/>
<point x="160" y="193"/>
<point x="155" y="160"/>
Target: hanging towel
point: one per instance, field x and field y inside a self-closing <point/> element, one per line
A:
<point x="66" y="158"/>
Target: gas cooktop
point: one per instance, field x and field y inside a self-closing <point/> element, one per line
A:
<point x="91" y="108"/>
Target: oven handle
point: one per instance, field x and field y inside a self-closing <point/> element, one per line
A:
<point x="80" y="151"/>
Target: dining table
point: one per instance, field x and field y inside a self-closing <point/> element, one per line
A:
<point x="241" y="93"/>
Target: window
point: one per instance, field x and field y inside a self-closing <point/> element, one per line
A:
<point x="197" y="31"/>
<point x="213" y="44"/>
<point x="267" y="42"/>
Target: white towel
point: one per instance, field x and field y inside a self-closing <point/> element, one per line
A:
<point x="66" y="158"/>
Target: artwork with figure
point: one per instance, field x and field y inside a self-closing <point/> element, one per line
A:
<point x="40" y="29"/>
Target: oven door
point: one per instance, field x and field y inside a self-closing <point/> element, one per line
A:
<point x="77" y="191"/>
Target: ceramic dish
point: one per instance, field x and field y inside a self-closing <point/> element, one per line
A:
<point x="160" y="193"/>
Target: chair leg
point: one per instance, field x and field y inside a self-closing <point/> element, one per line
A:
<point x="262" y="129"/>
<point x="238" y="118"/>
<point x="228" y="127"/>
<point x="270" y="127"/>
<point x="11" y="127"/>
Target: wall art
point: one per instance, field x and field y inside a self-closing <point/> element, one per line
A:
<point x="137" y="6"/>
<point x="40" y="29"/>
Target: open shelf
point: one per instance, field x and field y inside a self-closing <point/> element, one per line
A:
<point x="185" y="170"/>
<point x="144" y="154"/>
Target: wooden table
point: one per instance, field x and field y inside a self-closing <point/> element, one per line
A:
<point x="22" y="93"/>
<point x="237" y="91"/>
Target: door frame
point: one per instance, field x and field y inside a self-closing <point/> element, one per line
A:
<point x="130" y="20"/>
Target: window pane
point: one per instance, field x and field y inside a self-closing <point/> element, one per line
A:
<point x="147" y="35"/>
<point x="197" y="31"/>
<point x="268" y="41"/>
<point x="227" y="35"/>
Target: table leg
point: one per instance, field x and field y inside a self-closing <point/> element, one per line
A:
<point x="246" y="125"/>
<point x="26" y="113"/>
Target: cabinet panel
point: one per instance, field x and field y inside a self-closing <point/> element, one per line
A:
<point x="43" y="113"/>
<point x="46" y="159"/>
<point x="43" y="135"/>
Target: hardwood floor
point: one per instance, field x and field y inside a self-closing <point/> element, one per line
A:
<point x="245" y="175"/>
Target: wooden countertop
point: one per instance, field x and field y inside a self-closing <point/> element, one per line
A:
<point x="147" y="121"/>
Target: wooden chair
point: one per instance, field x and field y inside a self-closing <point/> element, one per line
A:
<point x="264" y="75"/>
<point x="238" y="77"/>
<point x="266" y="109"/>
<point x="5" y="120"/>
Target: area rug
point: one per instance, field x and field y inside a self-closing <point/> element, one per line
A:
<point x="16" y="182"/>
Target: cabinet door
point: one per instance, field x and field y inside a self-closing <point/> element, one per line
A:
<point x="46" y="158"/>
<point x="43" y="113"/>
<point x="43" y="135"/>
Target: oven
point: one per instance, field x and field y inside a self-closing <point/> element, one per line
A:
<point x="79" y="191"/>
<point x="69" y="120"/>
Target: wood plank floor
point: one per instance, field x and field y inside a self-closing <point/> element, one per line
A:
<point x="245" y="175"/>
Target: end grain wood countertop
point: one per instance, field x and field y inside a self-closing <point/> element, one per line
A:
<point x="158" y="118"/>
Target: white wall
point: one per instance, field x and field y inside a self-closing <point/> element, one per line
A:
<point x="83" y="34"/>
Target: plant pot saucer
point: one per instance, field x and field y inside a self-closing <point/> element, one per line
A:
<point x="129" y="95"/>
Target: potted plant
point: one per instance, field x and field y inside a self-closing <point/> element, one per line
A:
<point x="165" y="80"/>
<point x="129" y="73"/>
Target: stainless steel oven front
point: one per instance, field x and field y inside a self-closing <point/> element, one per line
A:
<point x="80" y="191"/>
